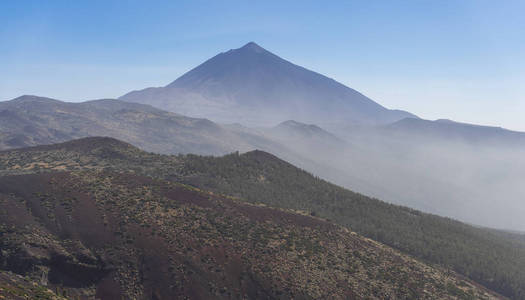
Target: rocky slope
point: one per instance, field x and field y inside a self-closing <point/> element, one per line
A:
<point x="32" y="120"/>
<point x="84" y="217"/>
<point x="17" y="287"/>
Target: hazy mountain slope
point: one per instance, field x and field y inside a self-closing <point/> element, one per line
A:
<point x="252" y="86"/>
<point x="492" y="258"/>
<point x="294" y="131"/>
<point x="469" y="172"/>
<point x="412" y="129"/>
<point x="473" y="174"/>
<point x="111" y="235"/>
<point x="314" y="148"/>
<point x="31" y="120"/>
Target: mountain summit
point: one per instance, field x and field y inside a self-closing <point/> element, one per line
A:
<point x="252" y="46"/>
<point x="253" y="86"/>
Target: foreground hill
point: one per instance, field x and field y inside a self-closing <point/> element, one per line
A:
<point x="32" y="120"/>
<point x="121" y="235"/>
<point x="253" y="86"/>
<point x="17" y="287"/>
<point x="492" y="258"/>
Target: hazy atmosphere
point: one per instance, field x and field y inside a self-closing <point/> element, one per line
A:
<point x="232" y="150"/>
<point x="461" y="60"/>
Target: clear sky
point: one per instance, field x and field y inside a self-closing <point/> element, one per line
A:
<point x="462" y="60"/>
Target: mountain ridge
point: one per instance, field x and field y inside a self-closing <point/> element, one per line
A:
<point x="135" y="187"/>
<point x="449" y="129"/>
<point x="33" y="120"/>
<point x="239" y="84"/>
<point x="267" y="179"/>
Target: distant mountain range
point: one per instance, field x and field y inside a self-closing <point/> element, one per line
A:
<point x="32" y="120"/>
<point x="302" y="131"/>
<point x="255" y="87"/>
<point x="444" y="129"/>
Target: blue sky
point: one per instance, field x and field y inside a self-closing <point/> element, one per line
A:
<point x="462" y="60"/>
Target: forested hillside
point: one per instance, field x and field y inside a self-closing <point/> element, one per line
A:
<point x="492" y="258"/>
<point x="100" y="234"/>
<point x="495" y="259"/>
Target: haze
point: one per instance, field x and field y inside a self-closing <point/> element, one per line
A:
<point x="233" y="150"/>
<point x="461" y="60"/>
